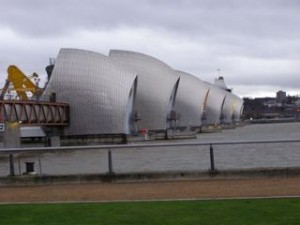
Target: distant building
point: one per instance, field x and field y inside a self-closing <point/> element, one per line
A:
<point x="281" y="96"/>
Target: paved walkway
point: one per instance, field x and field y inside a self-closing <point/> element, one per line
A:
<point x="184" y="189"/>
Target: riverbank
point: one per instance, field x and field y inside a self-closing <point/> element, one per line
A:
<point x="272" y="120"/>
<point x="158" y="190"/>
<point x="167" y="186"/>
<point x="35" y="179"/>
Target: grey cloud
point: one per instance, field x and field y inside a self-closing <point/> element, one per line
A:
<point x="243" y="38"/>
<point x="245" y="18"/>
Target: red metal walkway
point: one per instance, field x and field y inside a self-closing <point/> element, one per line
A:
<point x="35" y="113"/>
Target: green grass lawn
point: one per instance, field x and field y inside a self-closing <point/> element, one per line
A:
<point x="219" y="212"/>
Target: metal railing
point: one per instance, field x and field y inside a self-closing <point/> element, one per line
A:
<point x="13" y="153"/>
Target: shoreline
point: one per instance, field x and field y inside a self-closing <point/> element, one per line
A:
<point x="259" y="183"/>
<point x="241" y="174"/>
<point x="152" y="191"/>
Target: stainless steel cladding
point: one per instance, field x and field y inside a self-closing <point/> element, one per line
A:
<point x="238" y="106"/>
<point x="214" y="105"/>
<point x="190" y="100"/>
<point x="233" y="105"/>
<point x="232" y="109"/>
<point x="156" y="91"/>
<point x="228" y="108"/>
<point x="100" y="92"/>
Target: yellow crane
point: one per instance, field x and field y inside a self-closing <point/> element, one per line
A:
<point x="21" y="84"/>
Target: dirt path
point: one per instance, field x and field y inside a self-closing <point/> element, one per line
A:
<point x="191" y="189"/>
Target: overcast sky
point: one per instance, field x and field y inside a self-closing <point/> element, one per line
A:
<point x="254" y="43"/>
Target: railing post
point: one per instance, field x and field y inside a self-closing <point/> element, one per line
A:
<point x="212" y="159"/>
<point x="11" y="165"/>
<point x="110" y="162"/>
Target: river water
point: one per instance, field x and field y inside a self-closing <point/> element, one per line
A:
<point x="186" y="158"/>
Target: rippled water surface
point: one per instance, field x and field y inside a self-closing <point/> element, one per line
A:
<point x="180" y="158"/>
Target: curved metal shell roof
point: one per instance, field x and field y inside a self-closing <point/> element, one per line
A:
<point x="214" y="105"/>
<point x="157" y="87"/>
<point x="190" y="99"/>
<point x="228" y="108"/>
<point x="100" y="92"/>
<point x="231" y="107"/>
<point x="238" y="106"/>
<point x="233" y="104"/>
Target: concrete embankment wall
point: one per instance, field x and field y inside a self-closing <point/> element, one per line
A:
<point x="264" y="173"/>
